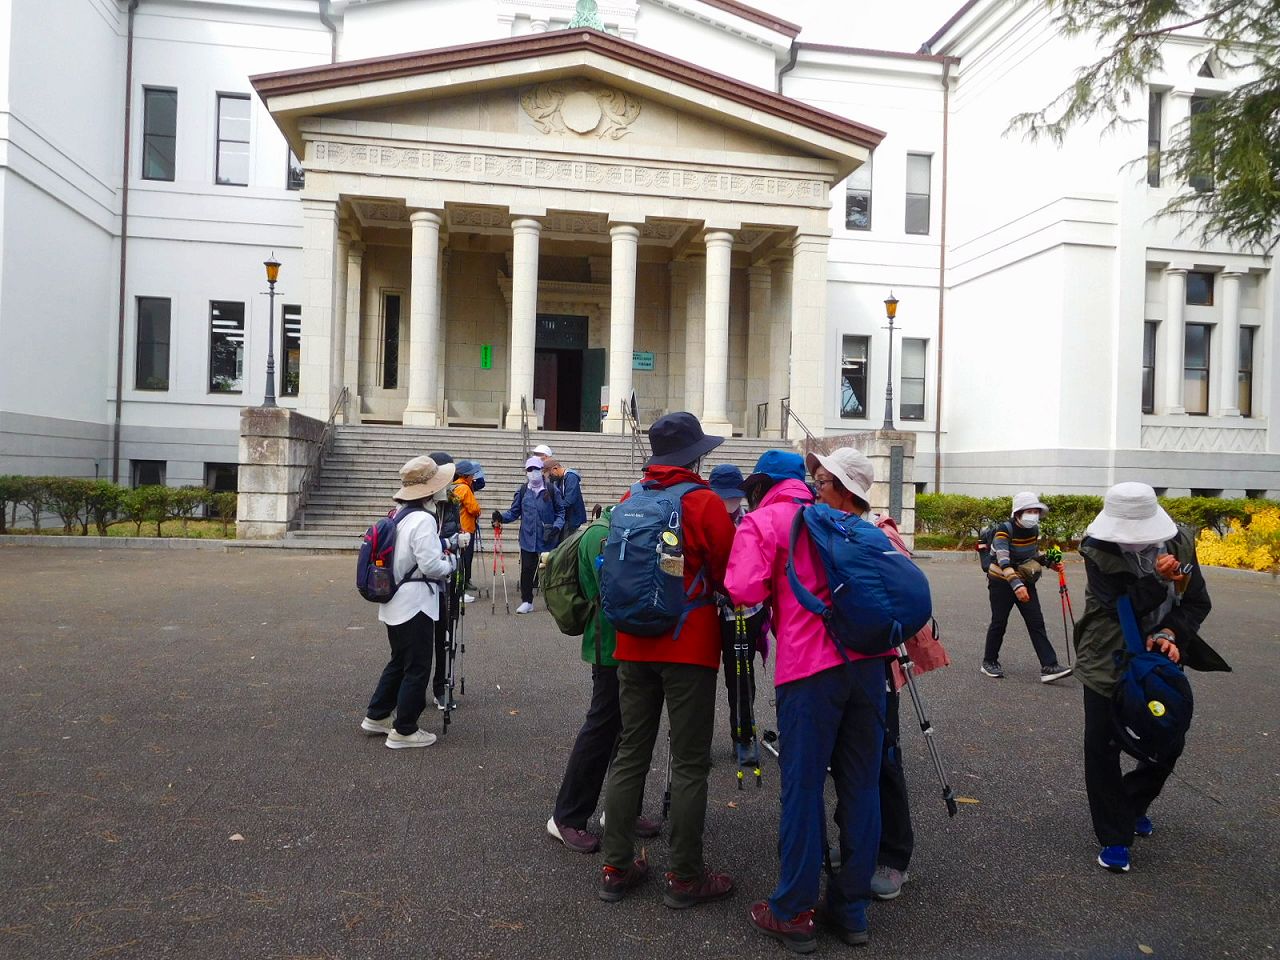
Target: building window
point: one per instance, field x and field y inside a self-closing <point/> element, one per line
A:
<point x="1199" y="289"/>
<point x="857" y="198"/>
<point x="1201" y="178"/>
<point x="390" y="341"/>
<point x="290" y="348"/>
<point x="226" y="347"/>
<point x="918" y="181"/>
<point x="853" y="378"/>
<point x="1155" y="125"/>
<point x="221" y="477"/>
<point x="151" y="363"/>
<point x="296" y="177"/>
<point x="911" y="398"/>
<point x="233" y="140"/>
<point x="159" y="133"/>
<point x="1195" y="369"/>
<point x="146" y="473"/>
<point x="1149" y="331"/>
<point x="1245" y="374"/>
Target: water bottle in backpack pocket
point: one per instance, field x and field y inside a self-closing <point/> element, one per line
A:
<point x="642" y="576"/>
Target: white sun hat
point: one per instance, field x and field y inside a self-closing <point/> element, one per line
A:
<point x="1131" y="514"/>
<point x="1026" y="500"/>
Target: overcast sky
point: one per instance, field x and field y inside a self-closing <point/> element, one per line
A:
<point x="879" y="24"/>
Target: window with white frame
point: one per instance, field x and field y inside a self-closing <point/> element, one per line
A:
<point x="1155" y="127"/>
<point x="857" y="198"/>
<point x="853" y="378"/>
<point x="151" y="360"/>
<point x="1244" y="375"/>
<point x="911" y="393"/>
<point x="226" y="347"/>
<point x="233" y="140"/>
<point x="919" y="180"/>
<point x="1201" y="179"/>
<point x="290" y="348"/>
<point x="1150" y="330"/>
<point x="1195" y="369"/>
<point x="390" y="341"/>
<point x="159" y="133"/>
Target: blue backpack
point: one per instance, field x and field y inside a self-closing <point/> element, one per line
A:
<point x="642" y="576"/>
<point x="1152" y="704"/>
<point x="375" y="577"/>
<point x="879" y="596"/>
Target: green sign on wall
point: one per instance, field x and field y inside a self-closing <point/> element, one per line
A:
<point x="641" y="360"/>
<point x="486" y="356"/>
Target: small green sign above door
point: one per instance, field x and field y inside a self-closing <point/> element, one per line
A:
<point x="486" y="356"/>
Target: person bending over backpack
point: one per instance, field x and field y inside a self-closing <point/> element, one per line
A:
<point x="678" y="666"/>
<point x="410" y="615"/>
<point x="1015" y="564"/>
<point x="1133" y="549"/>
<point x="540" y="510"/>
<point x="830" y="705"/>
<point x="569" y="485"/>
<point x="598" y="739"/>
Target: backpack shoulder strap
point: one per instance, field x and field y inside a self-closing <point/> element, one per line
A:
<point x="1129" y="625"/>
<point x="807" y="599"/>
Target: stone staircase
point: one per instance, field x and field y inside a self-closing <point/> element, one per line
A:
<point x="361" y="472"/>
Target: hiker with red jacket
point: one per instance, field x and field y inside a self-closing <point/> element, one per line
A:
<point x="830" y="703"/>
<point x="678" y="665"/>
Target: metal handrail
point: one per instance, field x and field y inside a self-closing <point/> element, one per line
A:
<point x="632" y="423"/>
<point x="524" y="426"/>
<point x="312" y="473"/>
<point x="789" y="414"/>
<point x="762" y="417"/>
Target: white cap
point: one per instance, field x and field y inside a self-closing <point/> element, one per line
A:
<point x="1026" y="500"/>
<point x="543" y="450"/>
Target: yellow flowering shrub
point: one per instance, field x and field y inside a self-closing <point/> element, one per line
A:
<point x="1255" y="546"/>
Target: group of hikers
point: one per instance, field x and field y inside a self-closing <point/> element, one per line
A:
<point x="687" y="574"/>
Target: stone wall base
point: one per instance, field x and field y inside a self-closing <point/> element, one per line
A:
<point x="276" y="446"/>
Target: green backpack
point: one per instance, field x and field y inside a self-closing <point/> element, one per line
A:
<point x="569" y="605"/>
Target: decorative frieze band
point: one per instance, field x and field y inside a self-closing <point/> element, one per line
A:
<point x="470" y="166"/>
<point x="1205" y="439"/>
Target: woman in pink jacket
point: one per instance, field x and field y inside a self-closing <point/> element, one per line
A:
<point x="830" y="705"/>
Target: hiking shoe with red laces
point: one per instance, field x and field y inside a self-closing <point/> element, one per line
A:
<point x="702" y="889"/>
<point x="615" y="882"/>
<point x="799" y="934"/>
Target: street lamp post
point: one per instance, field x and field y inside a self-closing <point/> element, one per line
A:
<point x="273" y="273"/>
<point x="891" y="310"/>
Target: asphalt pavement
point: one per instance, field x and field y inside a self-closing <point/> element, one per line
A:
<point x="182" y="774"/>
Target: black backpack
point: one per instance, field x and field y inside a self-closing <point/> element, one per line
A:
<point x="448" y="518"/>
<point x="985" y="538"/>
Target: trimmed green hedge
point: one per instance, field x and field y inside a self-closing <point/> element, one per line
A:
<point x="962" y="518"/>
<point x="81" y="503"/>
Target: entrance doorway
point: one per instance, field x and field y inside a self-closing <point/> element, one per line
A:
<point x="567" y="376"/>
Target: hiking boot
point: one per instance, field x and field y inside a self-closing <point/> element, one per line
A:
<point x="1055" y="671"/>
<point x="1115" y="859"/>
<point x="1143" y="827"/>
<point x="580" y="841"/>
<point x="689" y="893"/>
<point x="616" y="882"/>
<point x="797" y="934"/>
<point x="992" y="668"/>
<point x="748" y="754"/>
<point x="886" y="882"/>
<point x="383" y="726"/>
<point x="853" y="937"/>
<point x="646" y="829"/>
<point x="401" y="741"/>
<point x="525" y="608"/>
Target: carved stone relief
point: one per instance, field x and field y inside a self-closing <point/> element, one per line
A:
<point x="580" y="107"/>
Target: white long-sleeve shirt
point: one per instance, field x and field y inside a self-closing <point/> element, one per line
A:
<point x="418" y="552"/>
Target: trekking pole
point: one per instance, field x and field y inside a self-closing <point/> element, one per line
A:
<point x="1054" y="556"/>
<point x="746" y="713"/>
<point x="926" y="727"/>
<point x="666" y="794"/>
<point x="461" y="580"/>
<point x="493" y="575"/>
<point x="447" y="612"/>
<point x="502" y="559"/>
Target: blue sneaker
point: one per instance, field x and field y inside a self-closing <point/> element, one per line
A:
<point x="1143" y="827"/>
<point x="1115" y="859"/>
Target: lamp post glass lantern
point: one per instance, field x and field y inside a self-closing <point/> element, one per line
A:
<point x="273" y="273"/>
<point x="891" y="311"/>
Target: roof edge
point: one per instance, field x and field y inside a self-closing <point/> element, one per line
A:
<point x="872" y="52"/>
<point x="757" y="16"/>
<point x="326" y="76"/>
<point x="928" y="45"/>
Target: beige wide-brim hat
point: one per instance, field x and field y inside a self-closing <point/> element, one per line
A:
<point x="422" y="477"/>
<point x="849" y="466"/>
<point x="1131" y="514"/>
<point x="1026" y="500"/>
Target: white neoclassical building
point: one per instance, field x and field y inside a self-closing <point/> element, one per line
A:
<point x="702" y="204"/>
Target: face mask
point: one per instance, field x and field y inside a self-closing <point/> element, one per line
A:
<point x="535" y="476"/>
<point x="1141" y="557"/>
<point x="1137" y="547"/>
<point x="1028" y="519"/>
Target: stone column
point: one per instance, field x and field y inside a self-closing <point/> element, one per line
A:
<point x="810" y="363"/>
<point x="442" y="358"/>
<point x="695" y="312"/>
<point x="424" y="318"/>
<point x="338" y="368"/>
<point x="759" y="335"/>
<point x="1173" y="336"/>
<point x="779" y="343"/>
<point x="524" y="319"/>
<point x="715" y="384"/>
<point x="624" y="240"/>
<point x="1229" y="346"/>
<point x="316" y="388"/>
<point x="675" y="335"/>
<point x="351" y="366"/>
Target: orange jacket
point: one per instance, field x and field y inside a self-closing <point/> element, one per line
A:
<point x="468" y="506"/>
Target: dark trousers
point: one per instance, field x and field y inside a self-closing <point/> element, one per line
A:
<point x="897" y="840"/>
<point x="1002" y="603"/>
<point x="690" y="695"/>
<point x="741" y="688"/>
<point x="403" y="684"/>
<point x="589" y="761"/>
<point x="833" y="718"/>
<point x="1115" y="800"/>
<point x="440" y="682"/>
<point x="468" y="555"/>
<point x="528" y="572"/>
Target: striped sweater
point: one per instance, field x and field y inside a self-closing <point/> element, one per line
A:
<point x="1012" y="545"/>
